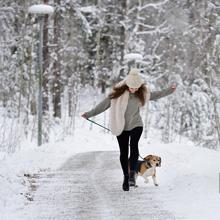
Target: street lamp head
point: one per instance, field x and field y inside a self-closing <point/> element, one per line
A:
<point x="41" y="9"/>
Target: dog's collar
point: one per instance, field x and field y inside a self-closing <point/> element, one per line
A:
<point x="147" y="164"/>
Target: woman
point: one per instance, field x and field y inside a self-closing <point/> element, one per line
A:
<point x="125" y="120"/>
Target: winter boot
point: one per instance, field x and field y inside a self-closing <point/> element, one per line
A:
<point x="132" y="181"/>
<point x="125" y="185"/>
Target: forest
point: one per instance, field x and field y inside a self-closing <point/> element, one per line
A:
<point x="93" y="44"/>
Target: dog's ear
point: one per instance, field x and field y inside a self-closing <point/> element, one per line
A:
<point x="148" y="157"/>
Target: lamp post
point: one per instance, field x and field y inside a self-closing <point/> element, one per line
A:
<point x="41" y="10"/>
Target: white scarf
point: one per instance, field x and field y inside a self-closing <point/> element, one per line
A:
<point x="117" y="113"/>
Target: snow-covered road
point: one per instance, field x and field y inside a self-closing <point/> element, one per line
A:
<point x="88" y="186"/>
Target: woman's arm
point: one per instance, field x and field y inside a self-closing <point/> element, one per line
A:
<point x="162" y="93"/>
<point x="101" y="107"/>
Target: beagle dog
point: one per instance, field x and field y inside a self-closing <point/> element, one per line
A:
<point x="147" y="167"/>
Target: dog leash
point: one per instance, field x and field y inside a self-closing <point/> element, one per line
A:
<point x="142" y="158"/>
<point x="98" y="124"/>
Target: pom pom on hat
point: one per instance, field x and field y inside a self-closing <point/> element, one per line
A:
<point x="133" y="79"/>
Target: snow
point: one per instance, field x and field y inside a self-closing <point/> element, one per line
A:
<point x="89" y="9"/>
<point x="154" y="5"/>
<point x="133" y="56"/>
<point x="188" y="179"/>
<point x="85" y="24"/>
<point x="41" y="9"/>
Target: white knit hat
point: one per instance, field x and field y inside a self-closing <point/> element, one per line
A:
<point x="133" y="79"/>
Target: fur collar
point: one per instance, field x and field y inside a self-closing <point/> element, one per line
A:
<point x="117" y="112"/>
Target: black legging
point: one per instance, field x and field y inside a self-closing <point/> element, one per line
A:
<point x="123" y="140"/>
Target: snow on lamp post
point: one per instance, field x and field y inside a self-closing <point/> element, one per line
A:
<point x="41" y="10"/>
<point x="132" y="59"/>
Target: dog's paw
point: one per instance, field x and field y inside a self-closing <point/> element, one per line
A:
<point x="156" y="184"/>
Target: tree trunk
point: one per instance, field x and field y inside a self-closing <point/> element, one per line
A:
<point x="217" y="121"/>
<point x="56" y="87"/>
<point x="122" y="34"/>
<point x="45" y="63"/>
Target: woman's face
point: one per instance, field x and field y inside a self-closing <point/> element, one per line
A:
<point x="133" y="90"/>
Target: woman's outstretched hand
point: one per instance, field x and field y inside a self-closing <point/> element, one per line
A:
<point x="173" y="87"/>
<point x="84" y="115"/>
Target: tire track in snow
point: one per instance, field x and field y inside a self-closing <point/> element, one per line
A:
<point x="88" y="186"/>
